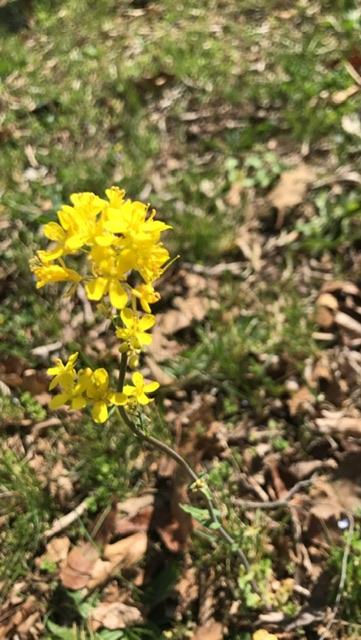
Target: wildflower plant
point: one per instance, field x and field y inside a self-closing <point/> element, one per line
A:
<point x="112" y="246"/>
<point x="124" y="257"/>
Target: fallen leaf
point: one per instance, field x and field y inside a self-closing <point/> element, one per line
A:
<point x="327" y="300"/>
<point x="193" y="308"/>
<point x="114" y="615"/>
<point x="300" y="400"/>
<point x="336" y="423"/>
<point x="210" y="631"/>
<point x="56" y="550"/>
<point x="342" y="286"/>
<point x="76" y="573"/>
<point x="128" y="551"/>
<point x="347" y="322"/>
<point x="292" y="187"/>
<point x="324" y="317"/>
<point x="138" y="522"/>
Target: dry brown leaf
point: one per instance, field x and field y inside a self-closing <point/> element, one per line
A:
<point x="292" y="187"/>
<point x="114" y="615"/>
<point x="100" y="573"/>
<point x="188" y="310"/>
<point x="343" y="286"/>
<point x="324" y="317"/>
<point x="300" y="400"/>
<point x="327" y="300"/>
<point x="138" y="522"/>
<point x="337" y="423"/>
<point x="133" y="505"/>
<point x="187" y="589"/>
<point x="75" y="574"/>
<point x="57" y="549"/>
<point x="305" y="468"/>
<point x="347" y="322"/>
<point x="211" y="631"/>
<point x="128" y="551"/>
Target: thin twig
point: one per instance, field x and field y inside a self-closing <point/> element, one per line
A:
<point x="164" y="448"/>
<point x="65" y="521"/>
<point x="275" y="504"/>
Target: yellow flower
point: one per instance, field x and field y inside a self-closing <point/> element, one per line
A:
<point x="139" y="391"/>
<point x="78" y="225"/>
<point x="150" y="260"/>
<point x="83" y="388"/>
<point x="73" y="384"/>
<point x="146" y="296"/>
<point x="134" y="331"/>
<point x="115" y="197"/>
<point x="64" y="374"/>
<point x="47" y="273"/>
<point x="98" y="391"/>
<point x="130" y="219"/>
<point x="109" y="271"/>
<point x="101" y="396"/>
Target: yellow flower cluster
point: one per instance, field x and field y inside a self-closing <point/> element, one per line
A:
<point x="120" y="239"/>
<point x="79" y="389"/>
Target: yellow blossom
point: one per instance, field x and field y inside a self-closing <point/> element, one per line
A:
<point x="138" y="392"/>
<point x="146" y="296"/>
<point x="64" y="374"/>
<point x="133" y="333"/>
<point x="46" y="273"/>
<point x="150" y="261"/>
<point x="83" y="388"/>
<point x="109" y="272"/>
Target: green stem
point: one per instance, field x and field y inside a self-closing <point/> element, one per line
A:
<point x="164" y="448"/>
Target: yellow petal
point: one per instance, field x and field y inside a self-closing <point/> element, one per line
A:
<point x="104" y="239"/>
<point x="143" y="399"/>
<point x="137" y="379"/>
<point x="128" y="316"/>
<point x="144" y="338"/>
<point x="49" y="256"/>
<point x="146" y="322"/>
<point x="58" y="401"/>
<point x="76" y="241"/>
<point x="53" y="371"/>
<point x="78" y="402"/>
<point x="117" y="294"/>
<point x="95" y="289"/>
<point x="72" y="359"/>
<point x="118" y="398"/>
<point x="53" y="231"/>
<point x="101" y="377"/>
<point x="100" y="412"/>
<point x="151" y="386"/>
<point x="129" y="390"/>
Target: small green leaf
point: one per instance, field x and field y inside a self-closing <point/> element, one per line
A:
<point x="64" y="633"/>
<point x="201" y="515"/>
